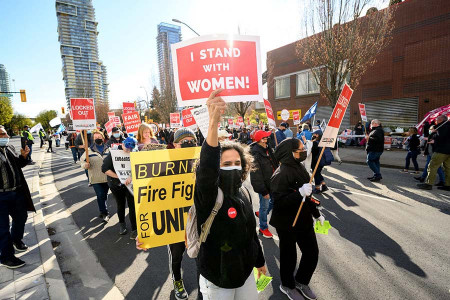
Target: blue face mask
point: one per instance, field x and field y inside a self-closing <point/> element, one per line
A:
<point x="89" y="132"/>
<point x="116" y="135"/>
<point x="4" y="142"/>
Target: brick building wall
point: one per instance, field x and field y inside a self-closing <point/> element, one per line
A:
<point x="415" y="65"/>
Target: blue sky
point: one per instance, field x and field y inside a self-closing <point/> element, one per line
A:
<point x="29" y="46"/>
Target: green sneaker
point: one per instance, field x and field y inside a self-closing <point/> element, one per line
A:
<point x="179" y="291"/>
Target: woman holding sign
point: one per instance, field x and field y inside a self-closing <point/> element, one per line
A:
<point x="232" y="249"/>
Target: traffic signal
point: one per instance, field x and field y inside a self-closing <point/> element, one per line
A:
<point x="135" y="104"/>
<point x="146" y="119"/>
<point x="23" y="96"/>
<point x="62" y="110"/>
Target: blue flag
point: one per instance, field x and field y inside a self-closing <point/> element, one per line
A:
<point x="61" y="128"/>
<point x="310" y="113"/>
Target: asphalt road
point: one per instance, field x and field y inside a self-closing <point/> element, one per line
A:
<point x="389" y="240"/>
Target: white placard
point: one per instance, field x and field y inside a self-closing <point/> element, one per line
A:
<point x="122" y="166"/>
<point x="201" y="116"/>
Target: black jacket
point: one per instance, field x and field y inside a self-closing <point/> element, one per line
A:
<point x="113" y="140"/>
<point x="232" y="248"/>
<point x="429" y="148"/>
<point x="442" y="140"/>
<point x="264" y="168"/>
<point x="17" y="163"/>
<point x="285" y="182"/>
<point x="376" y="140"/>
<point x="113" y="183"/>
<point x="414" y="143"/>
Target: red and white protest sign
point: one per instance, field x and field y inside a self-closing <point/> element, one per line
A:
<point x="83" y="113"/>
<point x="387" y="142"/>
<point x="240" y="121"/>
<point x="111" y="114"/>
<point x="132" y="121"/>
<point x="109" y="126"/>
<point x="296" y="117"/>
<point x="116" y="120"/>
<point x="204" y="64"/>
<point x="188" y="118"/>
<point x="362" y="111"/>
<point x="175" y="121"/>
<point x="128" y="107"/>
<point x="230" y="122"/>
<point x="269" y="113"/>
<point x="331" y="132"/>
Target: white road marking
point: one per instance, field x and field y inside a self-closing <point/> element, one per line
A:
<point x="362" y="194"/>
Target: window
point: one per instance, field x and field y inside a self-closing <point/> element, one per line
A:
<point x="306" y="83"/>
<point x="282" y="87"/>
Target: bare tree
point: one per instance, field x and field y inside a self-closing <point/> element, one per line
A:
<point x="241" y="108"/>
<point x="101" y="112"/>
<point x="164" y="104"/>
<point x="341" y="45"/>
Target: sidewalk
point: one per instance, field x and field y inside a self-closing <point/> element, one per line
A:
<point x="389" y="159"/>
<point x="41" y="277"/>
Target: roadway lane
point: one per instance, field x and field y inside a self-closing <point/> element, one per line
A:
<point x="389" y="240"/>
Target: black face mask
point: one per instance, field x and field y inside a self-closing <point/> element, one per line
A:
<point x="230" y="180"/>
<point x="187" y="144"/>
<point x="98" y="141"/>
<point x="303" y="156"/>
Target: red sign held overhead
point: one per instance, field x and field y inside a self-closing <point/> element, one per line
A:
<point x="296" y="117"/>
<point x="230" y="122"/>
<point x="83" y="113"/>
<point x="188" y="118"/>
<point x="204" y="64"/>
<point x="109" y="126"/>
<point x="331" y="132"/>
<point x="269" y="113"/>
<point x="175" y="121"/>
<point x="240" y="121"/>
<point x="132" y="121"/>
<point x="111" y="114"/>
<point x="362" y="110"/>
<point x="128" y="107"/>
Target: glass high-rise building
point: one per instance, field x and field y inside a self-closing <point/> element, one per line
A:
<point x="167" y="34"/>
<point x="4" y="83"/>
<point x="84" y="74"/>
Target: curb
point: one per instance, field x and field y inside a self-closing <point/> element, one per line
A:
<point x="56" y="286"/>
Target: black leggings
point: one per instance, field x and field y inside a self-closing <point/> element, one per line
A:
<point x="307" y="242"/>
<point x="49" y="145"/>
<point x="176" y="252"/>
<point x="122" y="196"/>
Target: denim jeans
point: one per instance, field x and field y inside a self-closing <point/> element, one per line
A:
<point x="318" y="178"/>
<point x="265" y="206"/>
<point x="31" y="151"/>
<point x="373" y="161"/>
<point x="412" y="155"/>
<point x="439" y="171"/>
<point x="74" y="153"/>
<point x="101" y="190"/>
<point x="11" y="204"/>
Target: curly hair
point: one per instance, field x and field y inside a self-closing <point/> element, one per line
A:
<point x="246" y="157"/>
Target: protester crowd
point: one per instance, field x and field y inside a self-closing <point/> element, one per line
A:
<point x="279" y="164"/>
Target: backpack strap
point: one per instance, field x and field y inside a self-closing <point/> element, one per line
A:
<point x="207" y="225"/>
<point x="246" y="192"/>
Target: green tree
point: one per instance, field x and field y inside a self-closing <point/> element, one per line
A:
<point x="393" y="2"/>
<point x="20" y="121"/>
<point x="6" y="111"/>
<point x="154" y="115"/>
<point x="44" y="118"/>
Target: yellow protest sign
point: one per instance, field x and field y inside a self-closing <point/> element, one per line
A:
<point x="163" y="183"/>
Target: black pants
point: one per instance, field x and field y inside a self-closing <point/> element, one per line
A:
<point x="50" y="146"/>
<point x="123" y="196"/>
<point x="42" y="142"/>
<point x="176" y="252"/>
<point x="306" y="240"/>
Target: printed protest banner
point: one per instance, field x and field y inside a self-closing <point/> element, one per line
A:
<point x="387" y="142"/>
<point x="201" y="117"/>
<point x="111" y="114"/>
<point x="175" y="121"/>
<point x="109" y="126"/>
<point x="204" y="64"/>
<point x="240" y="121"/>
<point x="269" y="113"/>
<point x="122" y="166"/>
<point x="116" y="120"/>
<point x="163" y="185"/>
<point x="362" y="111"/>
<point x="296" y="117"/>
<point x="331" y="132"/>
<point x="83" y="113"/>
<point x="230" y="123"/>
<point x="128" y="107"/>
<point x="188" y="119"/>
<point x="131" y="121"/>
<point x="285" y="115"/>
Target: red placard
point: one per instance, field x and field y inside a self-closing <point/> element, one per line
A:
<point x="109" y="126"/>
<point x="207" y="63"/>
<point x="111" y="114"/>
<point x="128" y="107"/>
<point x="331" y="132"/>
<point x="175" y="121"/>
<point x="296" y="117"/>
<point x="131" y="121"/>
<point x="269" y="113"/>
<point x="362" y="111"/>
<point x="188" y="118"/>
<point x="83" y="113"/>
<point x="240" y="121"/>
<point x="230" y="122"/>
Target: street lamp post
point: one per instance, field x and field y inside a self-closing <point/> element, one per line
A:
<point x="178" y="21"/>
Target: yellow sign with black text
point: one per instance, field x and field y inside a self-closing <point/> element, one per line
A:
<point x="290" y="113"/>
<point x="163" y="183"/>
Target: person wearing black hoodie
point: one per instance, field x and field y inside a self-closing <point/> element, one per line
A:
<point x="232" y="249"/>
<point x="116" y="137"/>
<point x="290" y="186"/>
<point x="413" y="145"/>
<point x="374" y="148"/>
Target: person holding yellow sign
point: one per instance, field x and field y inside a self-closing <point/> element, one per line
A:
<point x="232" y="249"/>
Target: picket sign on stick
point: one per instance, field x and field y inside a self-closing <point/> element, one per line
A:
<point x="86" y="145"/>
<point x="330" y="135"/>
